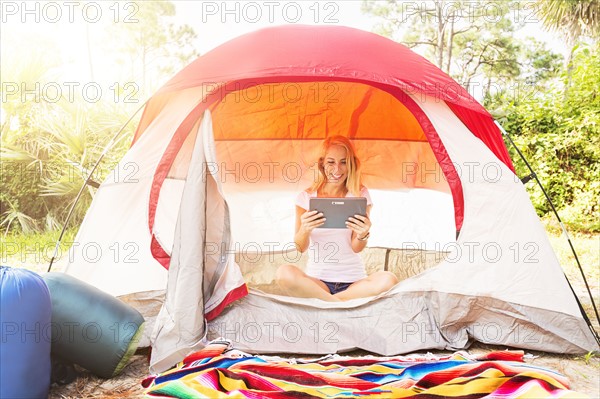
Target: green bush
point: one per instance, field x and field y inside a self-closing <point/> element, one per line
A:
<point x="558" y="131"/>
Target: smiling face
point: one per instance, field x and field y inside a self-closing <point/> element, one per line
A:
<point x="339" y="168"/>
<point x="335" y="165"/>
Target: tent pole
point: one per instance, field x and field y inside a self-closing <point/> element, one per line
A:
<point x="564" y="231"/>
<point x="89" y="181"/>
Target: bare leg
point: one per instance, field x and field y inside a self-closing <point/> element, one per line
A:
<point x="372" y="285"/>
<point x="296" y="283"/>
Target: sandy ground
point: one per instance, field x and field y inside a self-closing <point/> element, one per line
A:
<point x="584" y="375"/>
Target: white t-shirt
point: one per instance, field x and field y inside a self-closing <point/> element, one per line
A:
<point x="330" y="254"/>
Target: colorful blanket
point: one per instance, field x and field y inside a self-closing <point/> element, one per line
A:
<point x="218" y="371"/>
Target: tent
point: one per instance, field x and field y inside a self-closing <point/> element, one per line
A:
<point x="222" y="149"/>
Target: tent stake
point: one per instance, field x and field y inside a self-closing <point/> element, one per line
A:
<point x="564" y="231"/>
<point x="89" y="181"/>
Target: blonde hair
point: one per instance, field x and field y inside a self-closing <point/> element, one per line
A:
<point x="353" y="181"/>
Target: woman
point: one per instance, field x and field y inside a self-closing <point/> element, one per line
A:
<point x="335" y="271"/>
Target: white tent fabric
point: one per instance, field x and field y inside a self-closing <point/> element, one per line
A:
<point x="203" y="218"/>
<point x="179" y="326"/>
<point x="500" y="282"/>
<point x="502" y="262"/>
<point x="105" y="247"/>
<point x="502" y="248"/>
<point x="501" y="275"/>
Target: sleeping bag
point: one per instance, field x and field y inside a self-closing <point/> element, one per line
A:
<point x="25" y="311"/>
<point x="92" y="328"/>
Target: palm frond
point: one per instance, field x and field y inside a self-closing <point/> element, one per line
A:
<point x="26" y="222"/>
<point x="63" y="187"/>
<point x="51" y="223"/>
<point x="17" y="155"/>
<point x="573" y="18"/>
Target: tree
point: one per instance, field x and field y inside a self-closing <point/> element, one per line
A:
<point x="46" y="160"/>
<point x="46" y="145"/>
<point x="561" y="139"/>
<point x="466" y="39"/>
<point x="22" y="156"/>
<point x="539" y="69"/>
<point x="153" y="43"/>
<point x="573" y="19"/>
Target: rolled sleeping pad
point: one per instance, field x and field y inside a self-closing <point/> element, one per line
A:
<point x="25" y="311"/>
<point x="90" y="327"/>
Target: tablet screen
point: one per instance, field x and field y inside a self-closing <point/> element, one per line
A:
<point x="338" y="210"/>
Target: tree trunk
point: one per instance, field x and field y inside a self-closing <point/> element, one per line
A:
<point x="440" y="39"/>
<point x="487" y="90"/>
<point x="450" y="43"/>
<point x="569" y="71"/>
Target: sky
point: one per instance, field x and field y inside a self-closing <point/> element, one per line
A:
<point x="217" y="22"/>
<point x="65" y="27"/>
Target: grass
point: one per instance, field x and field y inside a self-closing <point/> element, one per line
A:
<point x="34" y="251"/>
<point x="587" y="247"/>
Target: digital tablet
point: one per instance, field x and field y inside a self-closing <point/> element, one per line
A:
<point x="338" y="210"/>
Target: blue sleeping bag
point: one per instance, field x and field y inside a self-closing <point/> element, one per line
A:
<point x="25" y="314"/>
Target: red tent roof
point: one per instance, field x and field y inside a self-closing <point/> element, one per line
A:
<point x="300" y="53"/>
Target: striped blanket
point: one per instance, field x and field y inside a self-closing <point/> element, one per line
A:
<point x="218" y="371"/>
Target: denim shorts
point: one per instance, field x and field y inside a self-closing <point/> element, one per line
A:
<point x="334" y="288"/>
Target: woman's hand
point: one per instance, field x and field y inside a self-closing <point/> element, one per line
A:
<point x="311" y="220"/>
<point x="360" y="225"/>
